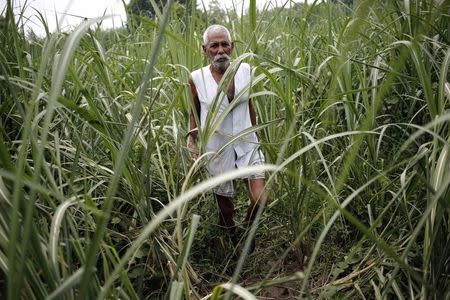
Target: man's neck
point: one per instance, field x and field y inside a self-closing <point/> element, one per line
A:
<point x="217" y="75"/>
<point x="216" y="71"/>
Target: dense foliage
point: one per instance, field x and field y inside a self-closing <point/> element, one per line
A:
<point x="99" y="198"/>
<point x="146" y="8"/>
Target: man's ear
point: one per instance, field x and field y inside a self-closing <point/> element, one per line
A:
<point x="232" y="46"/>
<point x="204" y="49"/>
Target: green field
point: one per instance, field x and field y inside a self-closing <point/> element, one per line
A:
<point x="100" y="199"/>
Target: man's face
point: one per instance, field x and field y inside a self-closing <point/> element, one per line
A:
<point x="218" y="50"/>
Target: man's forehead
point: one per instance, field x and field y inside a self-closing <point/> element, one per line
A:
<point x="218" y="37"/>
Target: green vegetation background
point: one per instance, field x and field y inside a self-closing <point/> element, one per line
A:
<point x="99" y="197"/>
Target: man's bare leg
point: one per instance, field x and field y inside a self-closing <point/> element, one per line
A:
<point x="226" y="212"/>
<point x="258" y="197"/>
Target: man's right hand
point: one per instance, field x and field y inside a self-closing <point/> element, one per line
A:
<point x="192" y="147"/>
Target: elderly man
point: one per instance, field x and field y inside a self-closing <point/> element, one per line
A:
<point x="210" y="101"/>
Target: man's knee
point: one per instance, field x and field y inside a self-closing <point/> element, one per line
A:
<point x="259" y="197"/>
<point x="257" y="191"/>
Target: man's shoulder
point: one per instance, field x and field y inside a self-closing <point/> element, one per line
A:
<point x="245" y="65"/>
<point x="198" y="76"/>
<point x="198" y="71"/>
<point x="244" y="69"/>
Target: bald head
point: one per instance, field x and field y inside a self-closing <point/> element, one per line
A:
<point x="215" y="29"/>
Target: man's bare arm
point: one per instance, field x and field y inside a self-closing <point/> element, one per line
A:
<point x="252" y="112"/>
<point x="196" y="102"/>
<point x="193" y="127"/>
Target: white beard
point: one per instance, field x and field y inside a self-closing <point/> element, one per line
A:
<point x="221" y="62"/>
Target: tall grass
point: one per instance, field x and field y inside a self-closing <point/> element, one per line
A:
<point x="99" y="197"/>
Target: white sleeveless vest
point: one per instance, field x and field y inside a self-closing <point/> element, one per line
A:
<point x="237" y="120"/>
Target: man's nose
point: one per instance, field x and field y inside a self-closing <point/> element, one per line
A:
<point x="220" y="50"/>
